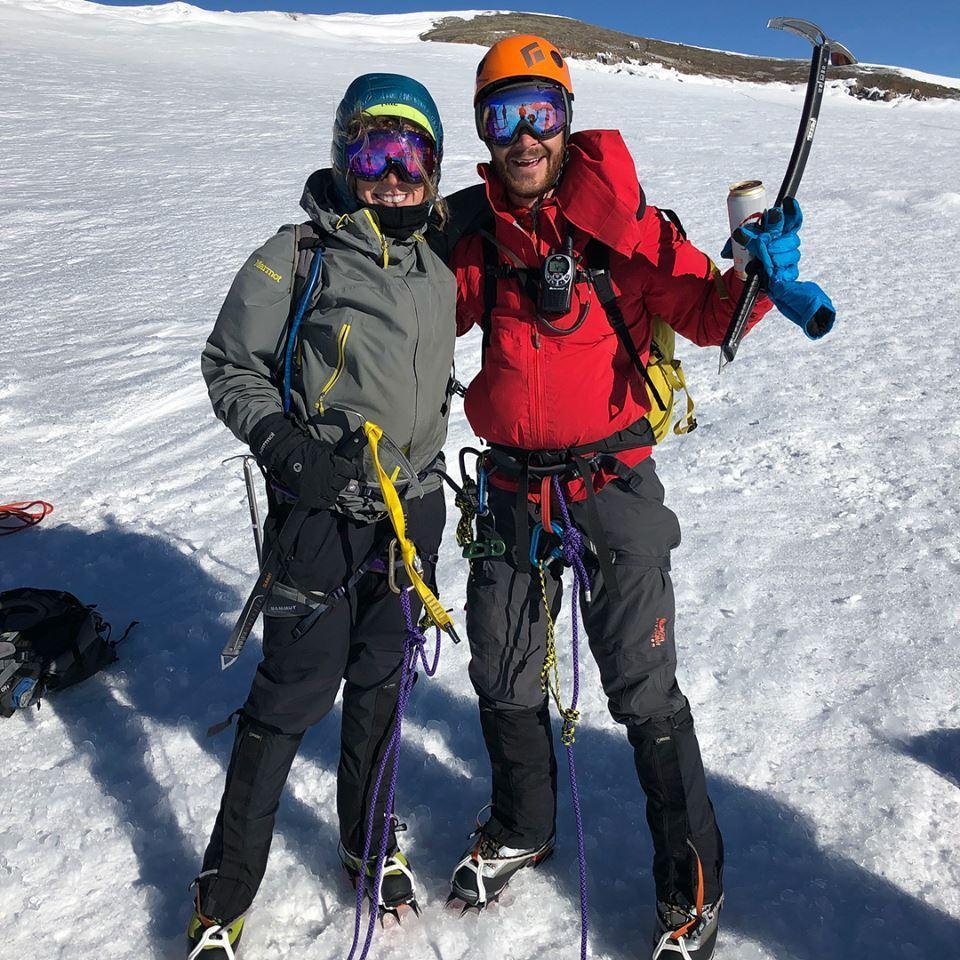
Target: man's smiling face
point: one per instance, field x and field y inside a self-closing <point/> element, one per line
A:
<point x="529" y="167"/>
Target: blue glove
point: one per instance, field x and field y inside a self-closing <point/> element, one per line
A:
<point x="776" y="245"/>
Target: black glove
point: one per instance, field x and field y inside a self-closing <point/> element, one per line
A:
<point x="312" y="471"/>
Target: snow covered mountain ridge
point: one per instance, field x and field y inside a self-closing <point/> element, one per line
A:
<point x="635" y="54"/>
<point x="579" y="40"/>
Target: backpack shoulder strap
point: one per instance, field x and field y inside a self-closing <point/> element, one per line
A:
<point x="671" y="216"/>
<point x="494" y="270"/>
<point x="467" y="211"/>
<point x="308" y="238"/>
<point x="491" y="264"/>
<point x="598" y="263"/>
<point x="309" y="241"/>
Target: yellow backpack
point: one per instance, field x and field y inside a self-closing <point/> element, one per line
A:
<point x="665" y="372"/>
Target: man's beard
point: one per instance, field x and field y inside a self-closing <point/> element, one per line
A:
<point x="522" y="187"/>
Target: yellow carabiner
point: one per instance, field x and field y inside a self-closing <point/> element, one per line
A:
<point x="408" y="552"/>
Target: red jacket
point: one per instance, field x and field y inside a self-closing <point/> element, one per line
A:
<point x="540" y="390"/>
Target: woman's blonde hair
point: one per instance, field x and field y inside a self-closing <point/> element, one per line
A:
<point x="361" y="125"/>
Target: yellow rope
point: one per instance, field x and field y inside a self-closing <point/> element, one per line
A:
<point x="408" y="551"/>
<point x="465" y="524"/>
<point x="550" y="671"/>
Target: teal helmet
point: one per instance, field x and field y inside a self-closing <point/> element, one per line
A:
<point x="386" y="95"/>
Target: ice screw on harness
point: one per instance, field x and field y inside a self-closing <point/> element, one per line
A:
<point x="467" y="500"/>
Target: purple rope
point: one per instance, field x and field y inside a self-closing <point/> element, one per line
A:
<point x="414" y="649"/>
<point x="572" y="547"/>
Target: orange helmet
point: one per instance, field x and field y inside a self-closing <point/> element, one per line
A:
<point x="521" y="56"/>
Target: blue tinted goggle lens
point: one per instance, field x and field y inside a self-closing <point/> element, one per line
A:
<point x="539" y="110"/>
<point x="410" y="153"/>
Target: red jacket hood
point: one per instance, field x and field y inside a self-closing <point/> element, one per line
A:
<point x="598" y="193"/>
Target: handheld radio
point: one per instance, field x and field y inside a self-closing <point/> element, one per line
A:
<point x="556" y="281"/>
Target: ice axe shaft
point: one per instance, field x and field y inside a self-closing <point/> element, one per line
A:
<point x="271" y="569"/>
<point x="825" y="52"/>
<point x="274" y="565"/>
<point x="254" y="507"/>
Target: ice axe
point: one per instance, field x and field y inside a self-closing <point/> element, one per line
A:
<point x="275" y="562"/>
<point x="247" y="459"/>
<point x="825" y="52"/>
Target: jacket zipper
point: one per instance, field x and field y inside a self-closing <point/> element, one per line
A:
<point x="341" y="358"/>
<point x="535" y="406"/>
<point x="384" y="250"/>
<point x="416" y="379"/>
<point x="537" y="387"/>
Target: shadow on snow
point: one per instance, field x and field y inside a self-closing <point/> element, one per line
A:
<point x="782" y="889"/>
<point x="938" y="749"/>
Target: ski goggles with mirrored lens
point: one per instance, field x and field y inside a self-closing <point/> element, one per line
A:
<point x="410" y="154"/>
<point x="538" y="109"/>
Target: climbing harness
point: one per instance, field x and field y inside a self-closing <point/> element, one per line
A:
<point x="275" y="562"/>
<point x="575" y="463"/>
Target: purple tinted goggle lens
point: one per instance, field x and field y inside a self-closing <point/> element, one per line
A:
<point x="411" y="154"/>
<point x="538" y="110"/>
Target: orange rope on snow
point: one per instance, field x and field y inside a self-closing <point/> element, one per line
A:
<point x="22" y="514"/>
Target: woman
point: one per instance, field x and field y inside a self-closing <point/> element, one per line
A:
<point x="372" y="343"/>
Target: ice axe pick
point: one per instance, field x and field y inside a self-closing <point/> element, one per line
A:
<point x="825" y="53"/>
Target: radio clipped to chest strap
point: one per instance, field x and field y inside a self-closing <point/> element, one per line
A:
<point x="662" y="375"/>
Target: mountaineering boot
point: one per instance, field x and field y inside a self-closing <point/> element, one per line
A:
<point x="209" y="938"/>
<point x="486" y="868"/>
<point x="684" y="932"/>
<point x="397" y="889"/>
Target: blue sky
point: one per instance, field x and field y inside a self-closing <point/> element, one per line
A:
<point x="922" y="34"/>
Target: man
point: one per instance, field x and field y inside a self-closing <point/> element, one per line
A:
<point x="562" y="393"/>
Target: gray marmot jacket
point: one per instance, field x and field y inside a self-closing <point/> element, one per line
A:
<point x="375" y="343"/>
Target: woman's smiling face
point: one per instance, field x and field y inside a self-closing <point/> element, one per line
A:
<point x="391" y="191"/>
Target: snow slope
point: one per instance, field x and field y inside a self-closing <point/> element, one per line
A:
<point x="142" y="156"/>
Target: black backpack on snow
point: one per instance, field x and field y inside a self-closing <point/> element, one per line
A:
<point x="49" y="640"/>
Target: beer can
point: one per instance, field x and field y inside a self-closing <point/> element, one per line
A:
<point x="746" y="202"/>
